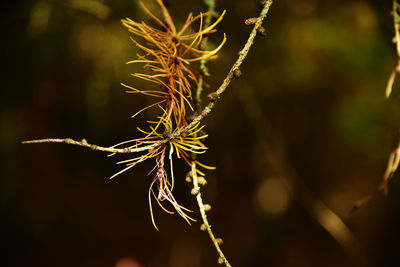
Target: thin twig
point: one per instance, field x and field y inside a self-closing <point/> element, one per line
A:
<point x="198" y="104"/>
<point x="216" y="95"/>
<point x="393" y="164"/>
<point x="84" y="143"/>
<point x="206" y="225"/>
<point x="242" y="55"/>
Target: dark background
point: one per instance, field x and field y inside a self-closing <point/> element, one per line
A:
<point x="302" y="135"/>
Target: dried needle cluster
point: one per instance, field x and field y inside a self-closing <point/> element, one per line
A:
<point x="167" y="54"/>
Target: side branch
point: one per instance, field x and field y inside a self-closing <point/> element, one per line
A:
<point x="84" y="143"/>
<point x="242" y="55"/>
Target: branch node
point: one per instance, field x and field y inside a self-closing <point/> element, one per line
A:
<point x="194" y="191"/>
<point x="207" y="207"/>
<point x="237" y="73"/>
<point x="212" y="97"/>
<point x="202" y="181"/>
<point x="188" y="178"/>
<point x="262" y="31"/>
<point x="250" y="21"/>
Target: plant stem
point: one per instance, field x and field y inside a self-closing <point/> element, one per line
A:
<point x="206" y="225"/>
<point x="84" y="143"/>
<point x="242" y="55"/>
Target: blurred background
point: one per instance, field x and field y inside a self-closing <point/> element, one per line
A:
<point x="302" y="135"/>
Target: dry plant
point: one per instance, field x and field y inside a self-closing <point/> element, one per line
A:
<point x="167" y="53"/>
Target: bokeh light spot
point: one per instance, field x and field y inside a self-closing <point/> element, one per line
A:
<point x="273" y="196"/>
<point x="127" y="262"/>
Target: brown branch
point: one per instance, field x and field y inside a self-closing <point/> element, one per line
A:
<point x="84" y="143"/>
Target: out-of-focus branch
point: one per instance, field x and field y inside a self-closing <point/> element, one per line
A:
<point x="203" y="68"/>
<point x="396" y="70"/>
<point x="278" y="164"/>
<point x="393" y="164"/>
<point x="394" y="157"/>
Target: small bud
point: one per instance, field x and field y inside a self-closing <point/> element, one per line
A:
<point x="212" y="97"/>
<point x="237" y="73"/>
<point x="204" y="70"/>
<point x="207" y="207"/>
<point x="194" y="191"/>
<point x="250" y="21"/>
<point x="220" y="261"/>
<point x="202" y="181"/>
<point x="203" y="227"/>
<point x="220" y="241"/>
<point x="188" y="178"/>
<point x="262" y="31"/>
<point x="262" y="3"/>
